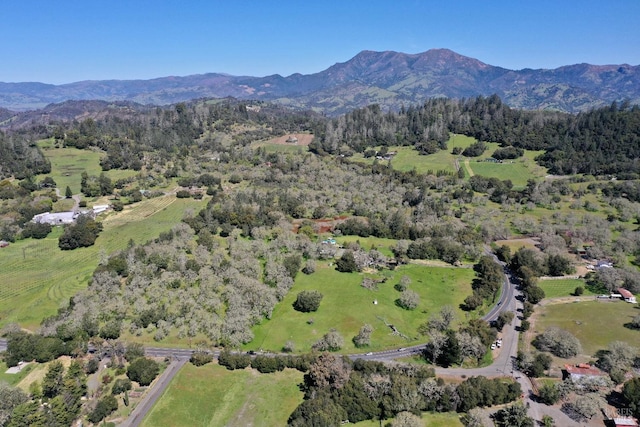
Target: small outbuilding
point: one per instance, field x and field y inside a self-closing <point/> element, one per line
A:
<point x="627" y="296"/>
<point x="583" y="370"/>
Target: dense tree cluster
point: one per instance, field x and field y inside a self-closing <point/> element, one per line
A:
<point x="487" y="284"/>
<point x="602" y="141"/>
<point x="61" y="389"/>
<point x="558" y="342"/>
<point x="337" y="389"/>
<point x="83" y="233"/>
<point x="20" y="157"/>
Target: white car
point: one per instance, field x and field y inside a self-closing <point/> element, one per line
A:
<point x="493" y="346"/>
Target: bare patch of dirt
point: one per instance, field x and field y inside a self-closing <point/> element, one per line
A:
<point x="515" y="244"/>
<point x="293" y="139"/>
<point x="323" y="225"/>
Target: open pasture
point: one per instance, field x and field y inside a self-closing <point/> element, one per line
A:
<point x="211" y="395"/>
<point x="554" y="288"/>
<point x="379" y="243"/>
<point x="290" y="143"/>
<point x="37" y="276"/>
<point x="518" y="170"/>
<point x="594" y="323"/>
<point x="346" y="306"/>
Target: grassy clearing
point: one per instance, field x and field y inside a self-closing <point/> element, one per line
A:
<point x="518" y="171"/>
<point x="346" y="306"/>
<point x="594" y="323"/>
<point x="37" y="276"/>
<point x="431" y="419"/>
<point x="213" y="396"/>
<point x="562" y="287"/>
<point x="67" y="164"/>
<point x="379" y="243"/>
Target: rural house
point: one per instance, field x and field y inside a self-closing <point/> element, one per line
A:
<point x="584" y="371"/>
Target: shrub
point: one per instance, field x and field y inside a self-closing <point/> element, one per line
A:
<point x="347" y="263"/>
<point x="200" y="358"/>
<point x="105" y="406"/>
<point x="408" y="300"/>
<point x="307" y="301"/>
<point x="331" y="341"/>
<point x="121" y="385"/>
<point x="143" y="371"/>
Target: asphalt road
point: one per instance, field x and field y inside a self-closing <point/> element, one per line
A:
<point x="153" y="394"/>
<point x="503" y="363"/>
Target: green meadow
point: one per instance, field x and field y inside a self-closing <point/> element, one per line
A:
<point x="346" y="306"/>
<point x="594" y="323"/>
<point x="67" y="164"/>
<point x="379" y="243"/>
<point x="562" y="287"/>
<point x="211" y="395"/>
<point x="37" y="277"/>
<point x="519" y="171"/>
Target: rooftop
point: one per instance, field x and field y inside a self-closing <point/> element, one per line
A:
<point x="584" y="369"/>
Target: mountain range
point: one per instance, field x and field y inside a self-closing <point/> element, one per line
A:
<point x="391" y="79"/>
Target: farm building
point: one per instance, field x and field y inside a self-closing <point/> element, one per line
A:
<point x="58" y="218"/>
<point x="627" y="296"/>
<point x="69" y="217"/>
<point x="583" y="371"/>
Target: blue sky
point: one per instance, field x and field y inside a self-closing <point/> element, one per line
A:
<point x="64" y="41"/>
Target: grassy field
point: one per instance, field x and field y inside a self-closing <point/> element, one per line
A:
<point x="346" y="306"/>
<point x="518" y="171"/>
<point x="67" y="164"/>
<point x="594" y="323"/>
<point x="562" y="287"/>
<point x="37" y="276"/>
<point x="213" y="396"/>
<point x="381" y="244"/>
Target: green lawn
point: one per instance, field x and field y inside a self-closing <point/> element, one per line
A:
<point x="36" y="276"/>
<point x="562" y="287"/>
<point x="594" y="323"/>
<point x="210" y="395"/>
<point x="346" y="306"/>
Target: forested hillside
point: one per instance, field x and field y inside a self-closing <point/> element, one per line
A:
<point x="598" y="142"/>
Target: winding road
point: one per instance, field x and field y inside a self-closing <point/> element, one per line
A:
<point x="504" y="362"/>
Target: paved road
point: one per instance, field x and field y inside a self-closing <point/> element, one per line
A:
<point x="153" y="394"/>
<point x="503" y="363"/>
